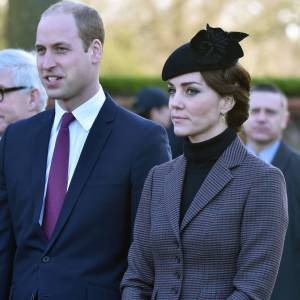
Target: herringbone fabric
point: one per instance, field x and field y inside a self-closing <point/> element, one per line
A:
<point x="229" y="243"/>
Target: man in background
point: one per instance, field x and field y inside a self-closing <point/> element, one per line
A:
<point x="153" y="103"/>
<point x="264" y="128"/>
<point x="22" y="94"/>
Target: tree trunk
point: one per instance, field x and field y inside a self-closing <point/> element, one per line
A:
<point x="21" y="22"/>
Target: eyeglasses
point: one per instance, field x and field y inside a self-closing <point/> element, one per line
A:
<point x="3" y="91"/>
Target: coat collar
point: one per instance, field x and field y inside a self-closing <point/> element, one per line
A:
<point x="282" y="157"/>
<point x="219" y="176"/>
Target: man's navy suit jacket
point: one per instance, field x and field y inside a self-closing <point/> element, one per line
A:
<point x="87" y="254"/>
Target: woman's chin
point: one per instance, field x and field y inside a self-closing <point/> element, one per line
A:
<point x="180" y="132"/>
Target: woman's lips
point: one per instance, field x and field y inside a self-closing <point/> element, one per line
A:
<point x="178" y="118"/>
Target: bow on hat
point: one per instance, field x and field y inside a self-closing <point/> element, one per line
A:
<point x="214" y="42"/>
<point x="210" y="49"/>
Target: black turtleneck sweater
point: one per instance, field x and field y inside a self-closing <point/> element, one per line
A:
<point x="200" y="159"/>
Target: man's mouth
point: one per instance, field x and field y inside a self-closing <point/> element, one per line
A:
<point x="52" y="78"/>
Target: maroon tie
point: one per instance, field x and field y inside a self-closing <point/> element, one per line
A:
<point x="58" y="176"/>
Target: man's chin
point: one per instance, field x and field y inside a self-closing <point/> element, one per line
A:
<point x="261" y="138"/>
<point x="54" y="94"/>
<point x="264" y="142"/>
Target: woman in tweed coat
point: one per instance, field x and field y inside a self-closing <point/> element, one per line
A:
<point x="211" y="223"/>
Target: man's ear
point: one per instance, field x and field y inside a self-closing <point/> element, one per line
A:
<point x="96" y="51"/>
<point x="34" y="100"/>
<point x="226" y="104"/>
<point x="285" y="120"/>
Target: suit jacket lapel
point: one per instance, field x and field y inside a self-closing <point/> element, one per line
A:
<point x="94" y="144"/>
<point x="172" y="193"/>
<point x="219" y="176"/>
<point x="281" y="158"/>
<point x="40" y="146"/>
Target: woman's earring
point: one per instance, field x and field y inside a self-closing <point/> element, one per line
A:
<point x="222" y="115"/>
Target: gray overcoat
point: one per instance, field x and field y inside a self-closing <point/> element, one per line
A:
<point x="229" y="243"/>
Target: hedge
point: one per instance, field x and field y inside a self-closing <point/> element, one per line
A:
<point x="129" y="85"/>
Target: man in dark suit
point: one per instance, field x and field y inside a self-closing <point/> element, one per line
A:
<point x="71" y="178"/>
<point x="268" y="118"/>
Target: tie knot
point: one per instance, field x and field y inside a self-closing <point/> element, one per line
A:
<point x="67" y="119"/>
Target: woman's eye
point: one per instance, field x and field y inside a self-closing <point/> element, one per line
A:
<point x="171" y="91"/>
<point x="191" y="92"/>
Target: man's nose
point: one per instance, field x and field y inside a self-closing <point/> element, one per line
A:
<point x="48" y="61"/>
<point x="261" y="116"/>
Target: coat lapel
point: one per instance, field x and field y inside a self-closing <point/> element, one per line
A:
<point x="219" y="176"/>
<point x="282" y="157"/>
<point x="94" y="144"/>
<point x="173" y="191"/>
<point x="40" y="146"/>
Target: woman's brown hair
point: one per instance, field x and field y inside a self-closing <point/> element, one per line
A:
<point x="235" y="82"/>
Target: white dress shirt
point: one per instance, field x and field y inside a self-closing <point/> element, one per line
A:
<point x="79" y="129"/>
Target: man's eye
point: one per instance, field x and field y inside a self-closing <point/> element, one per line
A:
<point x="40" y="51"/>
<point x="61" y="50"/>
<point x="271" y="112"/>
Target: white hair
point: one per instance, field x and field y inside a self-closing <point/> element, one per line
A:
<point x="22" y="65"/>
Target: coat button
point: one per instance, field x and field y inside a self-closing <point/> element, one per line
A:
<point x="177" y="275"/>
<point x="33" y="297"/>
<point x="45" y="259"/>
<point x="177" y="258"/>
<point x="176" y="244"/>
<point x="174" y="290"/>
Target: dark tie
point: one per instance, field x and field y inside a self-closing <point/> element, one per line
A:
<point x="58" y="176"/>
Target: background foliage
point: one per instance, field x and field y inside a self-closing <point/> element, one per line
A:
<point x="21" y="22"/>
<point x="129" y="85"/>
<point x="141" y="34"/>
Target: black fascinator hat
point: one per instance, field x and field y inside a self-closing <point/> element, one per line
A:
<point x="210" y="49"/>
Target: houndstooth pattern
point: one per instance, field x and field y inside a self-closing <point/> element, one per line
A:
<point x="229" y="243"/>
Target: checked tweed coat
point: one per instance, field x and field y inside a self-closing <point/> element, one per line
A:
<point x="229" y="243"/>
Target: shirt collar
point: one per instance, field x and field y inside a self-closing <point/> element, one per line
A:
<point x="85" y="114"/>
<point x="267" y="154"/>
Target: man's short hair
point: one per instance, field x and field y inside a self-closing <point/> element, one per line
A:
<point x="88" y="21"/>
<point x="23" y="68"/>
<point x="271" y="88"/>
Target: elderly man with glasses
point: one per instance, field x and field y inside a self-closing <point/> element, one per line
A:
<point x="22" y="94"/>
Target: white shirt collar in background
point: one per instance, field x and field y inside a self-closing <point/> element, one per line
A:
<point x="268" y="154"/>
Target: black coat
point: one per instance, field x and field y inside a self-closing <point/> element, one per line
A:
<point x="288" y="281"/>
